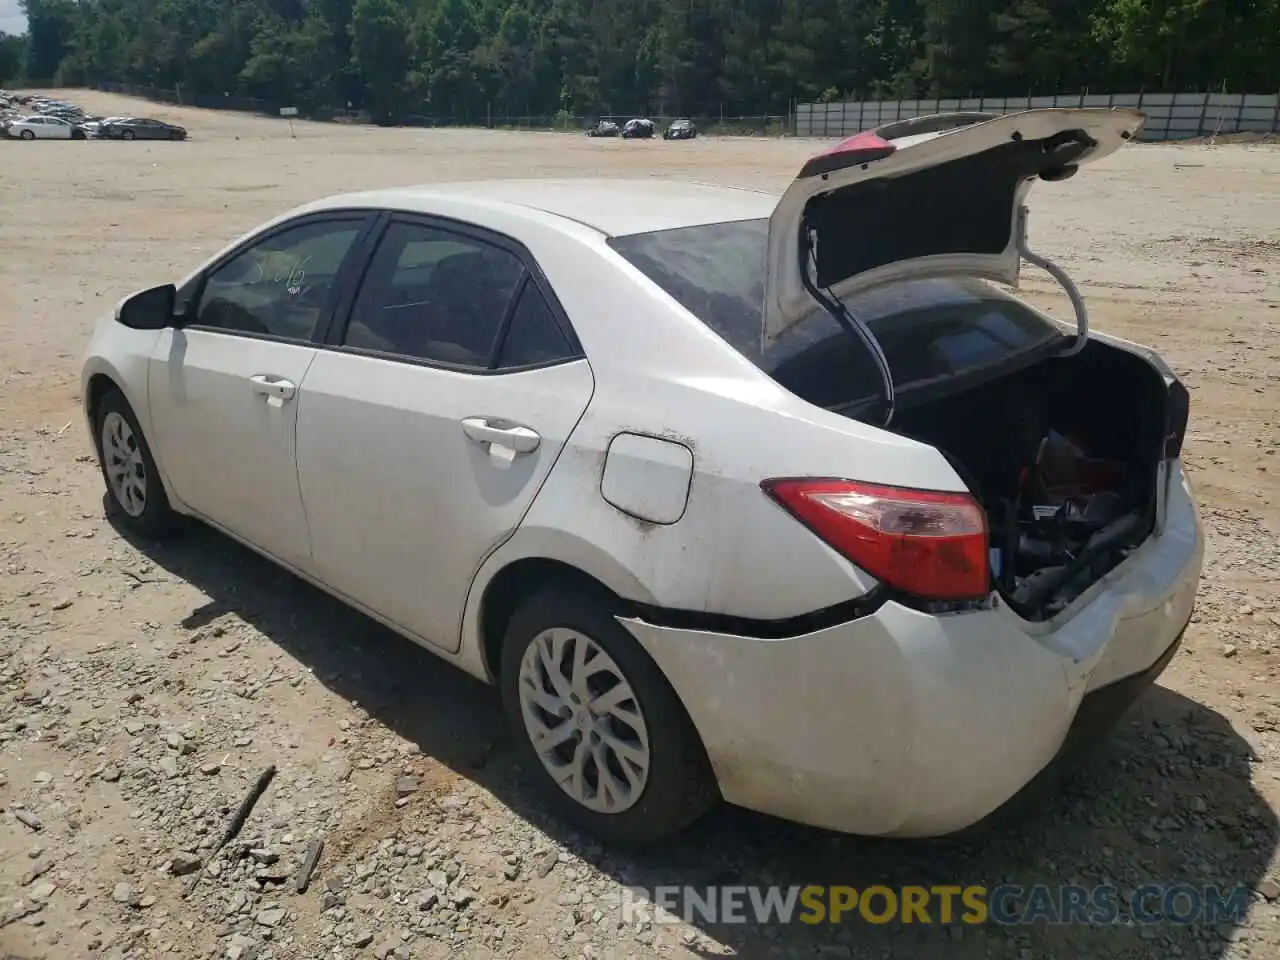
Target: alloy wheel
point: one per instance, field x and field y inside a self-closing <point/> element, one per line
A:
<point x="584" y="720"/>
<point x="126" y="470"/>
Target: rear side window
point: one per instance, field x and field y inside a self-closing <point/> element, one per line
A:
<point x="534" y="336"/>
<point x="930" y="330"/>
<point x="433" y="295"/>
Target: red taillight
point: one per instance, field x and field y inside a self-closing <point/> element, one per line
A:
<point x="926" y="543"/>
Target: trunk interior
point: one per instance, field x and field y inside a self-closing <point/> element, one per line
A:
<point x="1064" y="456"/>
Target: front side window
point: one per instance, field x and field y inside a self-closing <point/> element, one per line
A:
<point x="281" y="286"/>
<point x="433" y="295"/>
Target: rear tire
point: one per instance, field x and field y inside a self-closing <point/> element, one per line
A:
<point x="630" y="768"/>
<point x="135" y="493"/>
<point x="127" y="135"/>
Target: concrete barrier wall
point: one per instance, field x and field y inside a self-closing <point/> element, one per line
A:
<point x="1170" y="116"/>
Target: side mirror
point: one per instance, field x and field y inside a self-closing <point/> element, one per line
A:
<point x="149" y="309"/>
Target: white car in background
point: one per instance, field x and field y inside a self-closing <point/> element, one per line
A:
<point x="44" y="128"/>
<point x="775" y="500"/>
<point x="93" y="126"/>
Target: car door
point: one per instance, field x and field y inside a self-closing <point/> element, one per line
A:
<point x="224" y="386"/>
<point x="427" y="428"/>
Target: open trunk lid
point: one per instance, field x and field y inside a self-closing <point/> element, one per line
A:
<point x="933" y="196"/>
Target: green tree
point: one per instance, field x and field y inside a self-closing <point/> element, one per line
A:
<point x="465" y="58"/>
<point x="381" y="52"/>
<point x="12" y="53"/>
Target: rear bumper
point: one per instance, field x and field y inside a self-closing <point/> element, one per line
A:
<point x="905" y="724"/>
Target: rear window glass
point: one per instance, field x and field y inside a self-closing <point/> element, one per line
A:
<point x="928" y="329"/>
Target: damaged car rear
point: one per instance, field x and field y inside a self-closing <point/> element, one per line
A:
<point x="1062" y="439"/>
<point x="1020" y="593"/>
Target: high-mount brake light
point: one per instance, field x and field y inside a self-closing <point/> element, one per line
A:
<point x="860" y="148"/>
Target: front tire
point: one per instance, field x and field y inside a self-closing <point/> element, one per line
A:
<point x="135" y="493"/>
<point x="127" y="135"/>
<point x="596" y="723"/>
<point x="27" y="135"/>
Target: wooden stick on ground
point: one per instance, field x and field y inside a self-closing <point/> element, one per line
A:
<point x="236" y="823"/>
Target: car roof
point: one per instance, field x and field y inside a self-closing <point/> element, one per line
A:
<point x="612" y="207"/>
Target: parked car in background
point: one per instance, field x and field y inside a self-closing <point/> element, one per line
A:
<point x="53" y="106"/>
<point x="93" y="125"/>
<point x="45" y="128"/>
<point x="71" y="116"/>
<point x="637" y="129"/>
<point x="680" y="130"/>
<point x="605" y="128"/>
<point x="136" y="128"/>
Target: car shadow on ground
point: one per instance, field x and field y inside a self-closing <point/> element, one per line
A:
<point x="1166" y="800"/>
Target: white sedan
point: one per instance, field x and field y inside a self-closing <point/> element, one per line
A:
<point x="778" y="500"/>
<point x="45" y="128"/>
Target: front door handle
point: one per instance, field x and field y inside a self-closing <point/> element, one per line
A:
<point x="502" y="433"/>
<point x="269" y="385"/>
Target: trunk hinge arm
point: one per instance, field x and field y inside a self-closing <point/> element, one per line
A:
<point x="1055" y="271"/>
<point x="848" y="322"/>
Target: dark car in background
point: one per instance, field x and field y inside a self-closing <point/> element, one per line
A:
<point x="141" y="129"/>
<point x="680" y="130"/>
<point x="605" y="128"/>
<point x="637" y="129"/>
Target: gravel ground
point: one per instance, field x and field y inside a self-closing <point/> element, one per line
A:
<point x="142" y="692"/>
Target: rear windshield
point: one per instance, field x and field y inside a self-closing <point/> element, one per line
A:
<point x="930" y="330"/>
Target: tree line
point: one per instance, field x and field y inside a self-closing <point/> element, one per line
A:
<point x="467" y="58"/>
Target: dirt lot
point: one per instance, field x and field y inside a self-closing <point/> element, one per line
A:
<point x="142" y="693"/>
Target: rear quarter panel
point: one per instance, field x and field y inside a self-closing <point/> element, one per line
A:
<point x="661" y="373"/>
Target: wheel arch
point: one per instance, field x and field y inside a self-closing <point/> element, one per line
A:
<point x="514" y="574"/>
<point x="99" y="380"/>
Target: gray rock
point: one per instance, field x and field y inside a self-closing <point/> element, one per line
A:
<point x="270" y="917"/>
<point x="241" y="947"/>
<point x="183" y="864"/>
<point x="125" y="893"/>
<point x="362" y="939"/>
<point x="168" y="767"/>
<point x="111" y="773"/>
<point x="545" y="864"/>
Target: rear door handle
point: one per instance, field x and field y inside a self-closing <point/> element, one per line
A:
<point x="269" y="385"/>
<point x="502" y="433"/>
